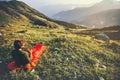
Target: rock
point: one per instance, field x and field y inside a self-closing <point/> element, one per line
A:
<point x="80" y="65"/>
<point x="102" y="36"/>
<point x="101" y="78"/>
<point x="104" y="67"/>
<point x="0" y="61"/>
<point x="67" y="59"/>
<point x="1" y="34"/>
<point x="97" y="65"/>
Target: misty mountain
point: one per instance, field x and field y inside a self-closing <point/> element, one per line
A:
<point x="51" y="10"/>
<point x="17" y="11"/>
<point x="101" y="19"/>
<point x="71" y="15"/>
<point x="79" y="14"/>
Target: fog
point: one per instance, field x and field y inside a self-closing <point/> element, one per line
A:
<point x="51" y="7"/>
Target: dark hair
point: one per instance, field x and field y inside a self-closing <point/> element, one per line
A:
<point x="18" y="44"/>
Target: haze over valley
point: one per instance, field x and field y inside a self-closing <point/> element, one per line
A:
<point x="93" y="16"/>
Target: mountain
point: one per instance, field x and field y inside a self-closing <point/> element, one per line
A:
<point x="16" y="11"/>
<point x="112" y="31"/>
<point x="101" y="19"/>
<point x="51" y="10"/>
<point x="79" y="14"/>
<point x="70" y="14"/>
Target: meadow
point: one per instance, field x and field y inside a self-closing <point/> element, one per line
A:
<point x="69" y="56"/>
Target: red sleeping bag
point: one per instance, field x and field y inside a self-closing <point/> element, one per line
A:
<point x="37" y="51"/>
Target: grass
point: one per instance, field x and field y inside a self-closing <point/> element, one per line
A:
<point x="71" y="55"/>
<point x="68" y="57"/>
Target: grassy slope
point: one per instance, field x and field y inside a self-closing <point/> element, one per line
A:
<point x="68" y="57"/>
<point x="15" y="10"/>
<point x="112" y="31"/>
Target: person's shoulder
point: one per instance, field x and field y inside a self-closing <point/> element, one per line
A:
<point x="13" y="52"/>
<point x="23" y="52"/>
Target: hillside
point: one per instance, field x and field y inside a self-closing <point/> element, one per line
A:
<point x="102" y="19"/>
<point x="78" y="15"/>
<point x="70" y="15"/>
<point x="52" y="9"/>
<point x="15" y="11"/>
<point x="69" y="56"/>
<point x="112" y="31"/>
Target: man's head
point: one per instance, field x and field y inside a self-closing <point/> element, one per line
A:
<point x="18" y="44"/>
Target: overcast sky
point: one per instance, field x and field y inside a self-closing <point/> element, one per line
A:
<point x="52" y="2"/>
<point x="39" y="4"/>
<point x="61" y="1"/>
<point x="36" y="3"/>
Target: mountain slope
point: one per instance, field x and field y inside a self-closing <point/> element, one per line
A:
<point x="71" y="14"/>
<point x="50" y="10"/>
<point x="15" y="10"/>
<point x="19" y="10"/>
<point x="69" y="56"/>
<point x="79" y="14"/>
<point x="112" y="31"/>
<point x="102" y="19"/>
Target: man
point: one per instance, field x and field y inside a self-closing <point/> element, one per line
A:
<point x="25" y="60"/>
<point x="20" y="56"/>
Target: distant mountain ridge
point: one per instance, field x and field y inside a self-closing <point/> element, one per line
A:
<point x="16" y="11"/>
<point x="79" y="15"/>
<point x="102" y="19"/>
<point x="50" y="10"/>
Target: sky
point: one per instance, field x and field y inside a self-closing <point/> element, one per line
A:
<point x="43" y="5"/>
<point x="35" y="3"/>
<point x="52" y="2"/>
<point x="39" y="3"/>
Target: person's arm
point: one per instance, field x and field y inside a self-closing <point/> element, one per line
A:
<point x="30" y="53"/>
<point x="28" y="56"/>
